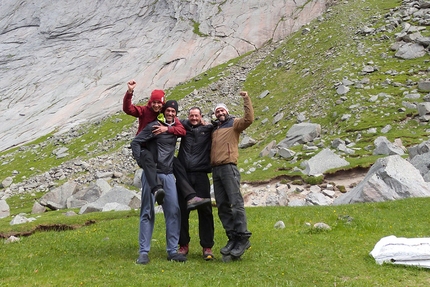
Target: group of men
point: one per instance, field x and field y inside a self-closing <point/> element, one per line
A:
<point x="181" y="184"/>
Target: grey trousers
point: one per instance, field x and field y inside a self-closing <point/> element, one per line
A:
<point x="171" y="211"/>
<point x="229" y="200"/>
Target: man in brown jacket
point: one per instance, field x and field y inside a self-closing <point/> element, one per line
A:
<point x="226" y="176"/>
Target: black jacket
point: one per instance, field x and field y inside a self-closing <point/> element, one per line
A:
<point x="195" y="148"/>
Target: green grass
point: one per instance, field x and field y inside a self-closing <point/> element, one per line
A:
<point x="99" y="249"/>
<point x="103" y="253"/>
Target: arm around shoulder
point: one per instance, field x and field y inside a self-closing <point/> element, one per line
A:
<point x="177" y="129"/>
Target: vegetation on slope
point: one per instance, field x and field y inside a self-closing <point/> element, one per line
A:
<point x="301" y="75"/>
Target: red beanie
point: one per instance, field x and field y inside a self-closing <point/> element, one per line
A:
<point x="157" y="95"/>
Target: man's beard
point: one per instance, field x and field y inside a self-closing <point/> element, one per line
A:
<point x="222" y="118"/>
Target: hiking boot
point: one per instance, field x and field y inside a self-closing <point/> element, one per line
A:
<point x="177" y="257"/>
<point x="228" y="247"/>
<point x="207" y="254"/>
<point x="159" y="196"/>
<point x="196" y="202"/>
<point x="183" y="249"/>
<point x="142" y="259"/>
<point x="240" y="247"/>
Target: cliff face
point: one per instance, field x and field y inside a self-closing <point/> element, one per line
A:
<point x="66" y="62"/>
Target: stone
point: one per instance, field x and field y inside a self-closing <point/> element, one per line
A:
<point x="4" y="209"/>
<point x="389" y="178"/>
<point x="301" y="133"/>
<point x="280" y="225"/>
<point x="323" y="161"/>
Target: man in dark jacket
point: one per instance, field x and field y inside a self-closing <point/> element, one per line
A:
<point x="162" y="147"/>
<point x="194" y="155"/>
<point x="226" y="176"/>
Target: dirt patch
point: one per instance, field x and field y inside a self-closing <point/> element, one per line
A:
<point x="347" y="178"/>
<point x="48" y="227"/>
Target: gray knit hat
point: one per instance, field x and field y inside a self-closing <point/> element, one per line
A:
<point x="221" y="105"/>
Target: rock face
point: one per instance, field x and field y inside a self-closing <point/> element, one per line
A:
<point x="58" y="59"/>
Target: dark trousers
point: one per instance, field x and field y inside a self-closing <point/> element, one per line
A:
<point x="146" y="161"/>
<point x="200" y="182"/>
<point x="229" y="200"/>
<point x="187" y="191"/>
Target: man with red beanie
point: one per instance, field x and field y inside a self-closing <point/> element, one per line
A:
<point x="145" y="115"/>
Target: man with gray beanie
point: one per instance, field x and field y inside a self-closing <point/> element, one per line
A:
<point x="226" y="176"/>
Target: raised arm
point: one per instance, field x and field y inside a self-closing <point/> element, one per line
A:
<point x="248" y="117"/>
<point x="127" y="105"/>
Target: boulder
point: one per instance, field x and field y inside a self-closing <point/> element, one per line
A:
<point x="118" y="195"/>
<point x="4" y="209"/>
<point x="247" y="142"/>
<point x="84" y="196"/>
<point x="385" y="147"/>
<point x="389" y="178"/>
<point x="421" y="163"/>
<point x="57" y="198"/>
<point x="301" y="133"/>
<point x="267" y="149"/>
<point x="323" y="161"/>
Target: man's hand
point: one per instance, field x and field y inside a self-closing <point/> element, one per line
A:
<point x="243" y="93"/>
<point x="158" y="129"/>
<point x="131" y="85"/>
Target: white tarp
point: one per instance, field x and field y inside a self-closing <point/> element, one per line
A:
<point x="403" y="251"/>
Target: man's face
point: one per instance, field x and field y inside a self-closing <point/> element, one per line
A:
<point x="170" y="114"/>
<point x="156" y="106"/>
<point x="194" y="117"/>
<point x="221" y="114"/>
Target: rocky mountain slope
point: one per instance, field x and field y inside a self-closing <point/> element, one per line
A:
<point x="65" y="63"/>
<point x="351" y="81"/>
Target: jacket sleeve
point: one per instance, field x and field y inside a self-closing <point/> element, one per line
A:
<point x="144" y="136"/>
<point x="178" y="129"/>
<point x="128" y="107"/>
<point x="242" y="123"/>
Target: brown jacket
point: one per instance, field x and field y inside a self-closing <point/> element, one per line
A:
<point x="225" y="137"/>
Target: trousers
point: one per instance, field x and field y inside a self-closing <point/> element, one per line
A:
<point x="200" y="182"/>
<point x="171" y="211"/>
<point x="147" y="163"/>
<point x="229" y="200"/>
